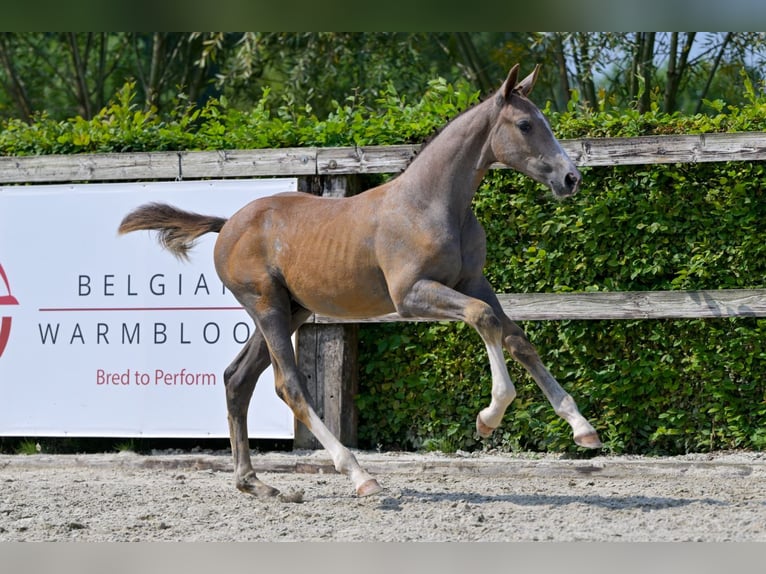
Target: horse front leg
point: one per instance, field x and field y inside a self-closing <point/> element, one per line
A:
<point x="519" y="347"/>
<point x="434" y="300"/>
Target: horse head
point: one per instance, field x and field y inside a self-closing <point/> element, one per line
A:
<point x="521" y="138"/>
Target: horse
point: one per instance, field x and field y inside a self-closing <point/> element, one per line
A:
<point x="411" y="245"/>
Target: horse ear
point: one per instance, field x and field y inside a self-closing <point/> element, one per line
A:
<point x="510" y="83"/>
<point x="525" y="86"/>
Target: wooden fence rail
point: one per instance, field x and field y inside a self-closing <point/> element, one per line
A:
<point x="327" y="347"/>
<point x="709" y="304"/>
<point x="178" y="165"/>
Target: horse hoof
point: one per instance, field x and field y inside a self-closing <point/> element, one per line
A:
<point x="369" y="487"/>
<point x="483" y="430"/>
<point x="256" y="488"/>
<point x="261" y="490"/>
<point x="589" y="440"/>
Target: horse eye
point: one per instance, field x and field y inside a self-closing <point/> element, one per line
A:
<point x="524" y="126"/>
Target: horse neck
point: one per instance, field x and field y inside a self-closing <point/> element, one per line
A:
<point x="447" y="172"/>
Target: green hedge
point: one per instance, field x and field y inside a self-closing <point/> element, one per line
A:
<point x="123" y="127"/>
<point x="648" y="386"/>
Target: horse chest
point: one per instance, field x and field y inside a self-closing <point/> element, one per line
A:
<point x="434" y="255"/>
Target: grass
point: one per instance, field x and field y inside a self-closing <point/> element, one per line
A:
<point x="28" y="447"/>
<point x="127" y="446"/>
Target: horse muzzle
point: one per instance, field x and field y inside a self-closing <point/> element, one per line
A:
<point x="569" y="186"/>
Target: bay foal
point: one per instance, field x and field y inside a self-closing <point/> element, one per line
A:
<point x="412" y="245"/>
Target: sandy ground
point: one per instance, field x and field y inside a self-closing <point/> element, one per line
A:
<point x="428" y="497"/>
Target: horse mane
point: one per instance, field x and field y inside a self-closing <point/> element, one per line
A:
<point x="428" y="139"/>
<point x="437" y="131"/>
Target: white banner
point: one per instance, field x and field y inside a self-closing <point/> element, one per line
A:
<point x="106" y="335"/>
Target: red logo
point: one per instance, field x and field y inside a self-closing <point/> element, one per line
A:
<point x="5" y="322"/>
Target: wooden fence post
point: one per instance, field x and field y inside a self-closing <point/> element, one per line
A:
<point x="327" y="354"/>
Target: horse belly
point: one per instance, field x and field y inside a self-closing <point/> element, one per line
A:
<point x="340" y="291"/>
<point x="335" y="274"/>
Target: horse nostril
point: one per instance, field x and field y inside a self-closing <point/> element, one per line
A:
<point x="571" y="180"/>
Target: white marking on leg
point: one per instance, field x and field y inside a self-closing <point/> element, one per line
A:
<point x="343" y="459"/>
<point x="503" y="391"/>
<point x="562" y="402"/>
<point x="567" y="410"/>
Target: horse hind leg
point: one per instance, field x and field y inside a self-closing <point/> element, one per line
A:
<point x="240" y="379"/>
<point x="291" y="388"/>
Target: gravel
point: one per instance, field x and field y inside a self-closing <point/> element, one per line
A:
<point x="182" y="496"/>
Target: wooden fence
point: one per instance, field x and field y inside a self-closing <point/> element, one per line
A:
<point x="327" y="347"/>
<point x="178" y="165"/>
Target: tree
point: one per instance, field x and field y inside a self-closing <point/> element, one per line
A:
<point x="67" y="74"/>
<point x="678" y="66"/>
<point x="319" y="68"/>
<point x="12" y="82"/>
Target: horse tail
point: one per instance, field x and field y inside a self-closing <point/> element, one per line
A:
<point x="177" y="229"/>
